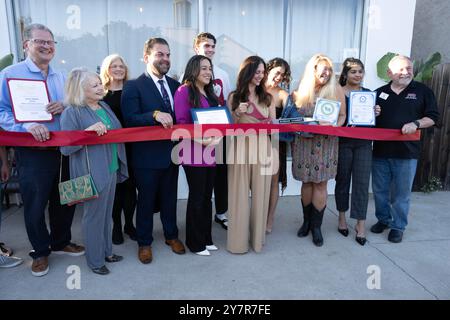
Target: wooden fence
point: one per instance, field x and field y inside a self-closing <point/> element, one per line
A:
<point x="435" y="155"/>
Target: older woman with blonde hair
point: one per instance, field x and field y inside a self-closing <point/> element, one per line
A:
<point x="314" y="159"/>
<point x="105" y="162"/>
<point x="114" y="73"/>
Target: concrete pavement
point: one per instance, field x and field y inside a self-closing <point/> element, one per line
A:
<point x="289" y="268"/>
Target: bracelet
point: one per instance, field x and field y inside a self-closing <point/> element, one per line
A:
<point x="417" y="123"/>
<point x="155" y="113"/>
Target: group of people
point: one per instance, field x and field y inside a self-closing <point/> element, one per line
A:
<point x="142" y="176"/>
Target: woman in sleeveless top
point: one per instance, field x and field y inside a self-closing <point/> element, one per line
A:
<point x="314" y="160"/>
<point x="251" y="167"/>
<point x="279" y="73"/>
<point x="355" y="161"/>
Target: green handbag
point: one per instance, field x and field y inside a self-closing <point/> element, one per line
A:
<point x="79" y="189"/>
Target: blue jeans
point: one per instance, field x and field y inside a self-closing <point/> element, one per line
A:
<point x="392" y="181"/>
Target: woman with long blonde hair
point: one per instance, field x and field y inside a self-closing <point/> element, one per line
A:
<point x="314" y="159"/>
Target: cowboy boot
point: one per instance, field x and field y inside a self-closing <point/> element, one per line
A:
<point x="306" y="226"/>
<point x="316" y="223"/>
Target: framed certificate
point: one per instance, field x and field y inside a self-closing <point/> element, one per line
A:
<point x="361" y="110"/>
<point x="211" y="115"/>
<point x="29" y="99"/>
<point x="327" y="110"/>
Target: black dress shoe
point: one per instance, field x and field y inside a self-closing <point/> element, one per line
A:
<point x="221" y="222"/>
<point x="379" y="227"/>
<point x="344" y="232"/>
<point x="103" y="270"/>
<point x="114" y="258"/>
<point x="131" y="232"/>
<point x="361" y="240"/>
<point x="395" y="236"/>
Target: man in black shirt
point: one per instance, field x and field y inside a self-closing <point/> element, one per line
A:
<point x="407" y="105"/>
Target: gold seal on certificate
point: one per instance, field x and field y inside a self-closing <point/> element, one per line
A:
<point x="29" y="100"/>
<point x="361" y="110"/>
<point x="327" y="110"/>
<point x="211" y="115"/>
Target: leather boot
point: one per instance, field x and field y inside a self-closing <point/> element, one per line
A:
<point x="117" y="236"/>
<point x="316" y="223"/>
<point x="306" y="226"/>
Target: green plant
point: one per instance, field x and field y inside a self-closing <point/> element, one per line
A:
<point x="6" y="61"/>
<point x="433" y="184"/>
<point x="423" y="70"/>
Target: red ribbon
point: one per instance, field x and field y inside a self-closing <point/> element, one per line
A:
<point x="77" y="138"/>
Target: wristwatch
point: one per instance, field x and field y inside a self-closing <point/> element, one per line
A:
<point x="417" y="123"/>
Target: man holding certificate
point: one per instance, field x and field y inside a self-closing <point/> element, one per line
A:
<point x="30" y="101"/>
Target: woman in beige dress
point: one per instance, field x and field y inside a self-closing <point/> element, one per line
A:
<point x="251" y="166"/>
<point x="314" y="160"/>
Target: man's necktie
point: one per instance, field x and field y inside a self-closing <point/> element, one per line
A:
<point x="165" y="97"/>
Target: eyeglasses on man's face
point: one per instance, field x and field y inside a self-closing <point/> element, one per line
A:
<point x="43" y="42"/>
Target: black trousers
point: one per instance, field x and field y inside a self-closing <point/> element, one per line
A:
<point x="221" y="181"/>
<point x="354" y="165"/>
<point x="38" y="178"/>
<point x="199" y="207"/>
<point x="125" y="200"/>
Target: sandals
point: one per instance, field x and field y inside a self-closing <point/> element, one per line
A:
<point x="5" y="251"/>
<point x="223" y="222"/>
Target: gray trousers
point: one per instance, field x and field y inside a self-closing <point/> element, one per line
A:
<point x="96" y="225"/>
<point x="354" y="164"/>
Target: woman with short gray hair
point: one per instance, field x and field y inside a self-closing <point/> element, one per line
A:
<point x="86" y="111"/>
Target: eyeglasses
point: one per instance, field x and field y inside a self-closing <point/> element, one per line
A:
<point x="44" y="42"/>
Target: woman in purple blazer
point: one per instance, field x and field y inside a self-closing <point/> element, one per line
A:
<point x="197" y="91"/>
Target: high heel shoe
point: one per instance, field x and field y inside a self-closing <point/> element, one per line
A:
<point x="344" y="232"/>
<point x="361" y="240"/>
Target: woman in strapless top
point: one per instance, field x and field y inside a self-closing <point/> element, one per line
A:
<point x="252" y="165"/>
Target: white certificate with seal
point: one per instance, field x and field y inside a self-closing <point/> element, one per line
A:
<point x="327" y="110"/>
<point x="361" y="111"/>
<point x="29" y="99"/>
<point x="211" y="115"/>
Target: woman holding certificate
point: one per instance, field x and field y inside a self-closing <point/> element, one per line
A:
<point x="278" y="74"/>
<point x="197" y="157"/>
<point x="114" y="73"/>
<point x="355" y="160"/>
<point x="252" y="166"/>
<point x="314" y="160"/>
<point x="86" y="111"/>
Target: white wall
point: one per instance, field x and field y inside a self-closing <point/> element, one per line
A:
<point x="4" y="33"/>
<point x="390" y="27"/>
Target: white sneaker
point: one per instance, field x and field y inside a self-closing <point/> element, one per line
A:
<point x="9" y="262"/>
<point x="212" y="248"/>
<point x="203" y="253"/>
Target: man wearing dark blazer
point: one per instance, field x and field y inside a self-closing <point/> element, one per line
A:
<point x="148" y="101"/>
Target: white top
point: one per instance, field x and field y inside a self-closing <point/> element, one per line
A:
<point x="221" y="74"/>
<point x="166" y="85"/>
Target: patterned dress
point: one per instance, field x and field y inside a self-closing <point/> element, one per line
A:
<point x="314" y="159"/>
